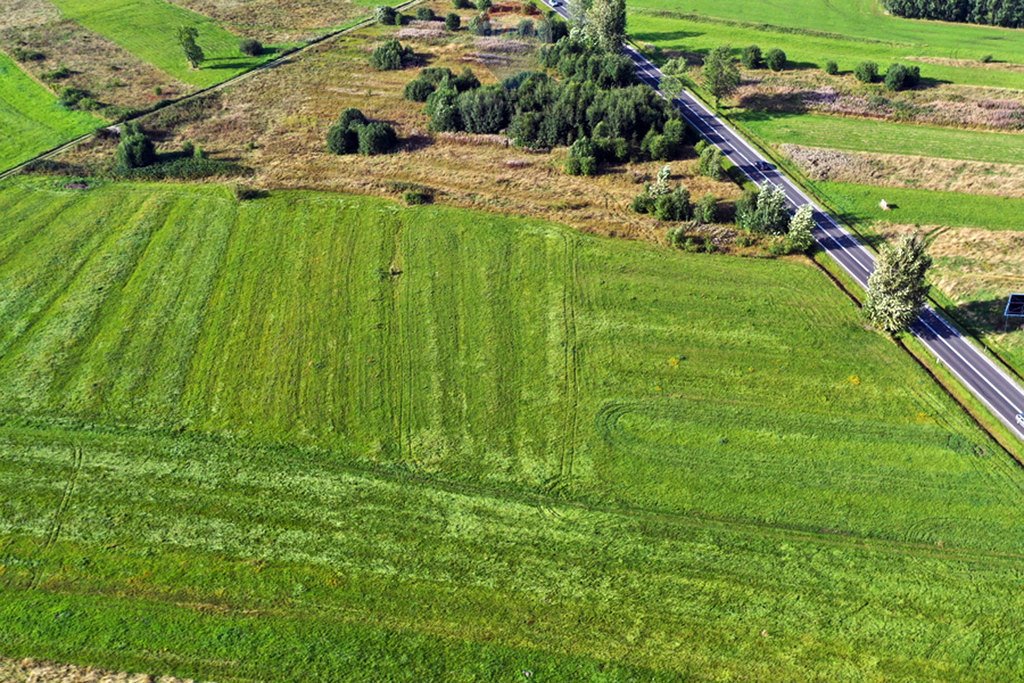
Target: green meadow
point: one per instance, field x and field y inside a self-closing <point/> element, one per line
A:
<point x="31" y="118"/>
<point x="147" y="29"/>
<point x="316" y="436"/>
<point x="814" y="31"/>
<point x="860" y="204"/>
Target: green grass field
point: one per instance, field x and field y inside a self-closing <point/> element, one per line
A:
<point x="859" y="204"/>
<point x="867" y="135"/>
<point x="320" y="436"/>
<point x="147" y="29"/>
<point x="814" y="31"/>
<point x="31" y="118"/>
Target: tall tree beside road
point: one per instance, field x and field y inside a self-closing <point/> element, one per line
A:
<point x="897" y="289"/>
<point x="721" y="76"/>
<point x="606" y="23"/>
<point x="578" y="10"/>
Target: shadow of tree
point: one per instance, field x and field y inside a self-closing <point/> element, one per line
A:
<point x="987" y="316"/>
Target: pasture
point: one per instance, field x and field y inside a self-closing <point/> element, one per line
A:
<point x="146" y="28"/>
<point x="31" y="118"/>
<point x="319" y="435"/>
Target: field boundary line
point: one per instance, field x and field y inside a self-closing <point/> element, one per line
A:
<point x="57" y="522"/>
<point x="269" y="64"/>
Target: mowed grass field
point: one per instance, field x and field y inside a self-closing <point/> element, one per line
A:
<point x="317" y="436"/>
<point x="867" y="135"/>
<point x="147" y="29"/>
<point x="31" y="118"/>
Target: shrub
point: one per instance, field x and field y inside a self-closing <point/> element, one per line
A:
<point x="900" y="77"/>
<point x="582" y="158"/>
<point x="462" y="4"/>
<point x="706" y="209"/>
<point x="866" y="72"/>
<point x="386" y="15"/>
<point x="483" y="5"/>
<point x="452" y="22"/>
<point x="376" y="137"/>
<point x="710" y="163"/>
<point x="700" y="146"/>
<point x="414" y="197"/>
<point x="425" y="14"/>
<point x="73" y="97"/>
<point x="751" y="57"/>
<point x="343" y="137"/>
<point x="466" y="80"/>
<point x="800" y="237"/>
<point x="390" y="56"/>
<point x="643" y="202"/>
<point x="484" y="110"/>
<point x="525" y="28"/>
<point x="188" y="148"/>
<point x="480" y="25"/>
<point x="58" y="74"/>
<point x="831" y="68"/>
<point x="418" y="90"/>
<point x="775" y="59"/>
<point x="135" y="149"/>
<point x="674" y="205"/>
<point x="26" y="55"/>
<point x="985" y="59"/>
<point x="245" y="193"/>
<point x="251" y="47"/>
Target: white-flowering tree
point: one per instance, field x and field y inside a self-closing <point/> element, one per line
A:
<point x="800" y="237"/>
<point x="605" y="23"/>
<point x="897" y="289"/>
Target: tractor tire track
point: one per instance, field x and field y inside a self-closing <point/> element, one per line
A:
<point x="54" y="529"/>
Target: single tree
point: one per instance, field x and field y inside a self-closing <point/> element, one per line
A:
<point x="897" y="289"/>
<point x="578" y="12"/>
<point x="452" y="22"/>
<point x="187" y="39"/>
<point x="720" y="73"/>
<point x="706" y="209"/>
<point x="710" y="163"/>
<point x="673" y="80"/>
<point x="606" y="24"/>
<point x="801" y="227"/>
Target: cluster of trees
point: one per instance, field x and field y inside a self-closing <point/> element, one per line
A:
<point x="765" y="212"/>
<point x="135" y="150"/>
<point x="898" y="77"/>
<point x="710" y="160"/>
<point x="664" y="202"/>
<point x="597" y="100"/>
<point x="353" y="132"/>
<point x="995" y="12"/>
<point x="752" y="58"/>
<point x="390" y="55"/>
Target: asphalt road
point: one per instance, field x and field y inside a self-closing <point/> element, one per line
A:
<point x="981" y="375"/>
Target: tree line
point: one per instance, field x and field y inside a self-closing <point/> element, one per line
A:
<point x="1008" y="13"/>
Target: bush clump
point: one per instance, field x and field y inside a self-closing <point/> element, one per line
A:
<point x="343" y="136"/>
<point x="417" y="197"/>
<point x="390" y="56"/>
<point x="484" y="110"/>
<point x="251" y="47"/>
<point x="582" y="158"/>
<point x="674" y="205"/>
<point x="775" y="59"/>
<point x="752" y="58"/>
<point x="376" y="137"/>
<point x="135" y="150"/>
<point x="425" y="14"/>
<point x="866" y="72"/>
<point x="710" y="162"/>
<point x="453" y="21"/>
<point x="901" y="77"/>
<point x="387" y="15"/>
<point x="551" y="30"/>
<point x="706" y="209"/>
<point x="526" y="29"/>
<point x="763" y="211"/>
<point x="831" y="68"/>
<point x="480" y="25"/>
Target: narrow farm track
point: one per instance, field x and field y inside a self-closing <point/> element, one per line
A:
<point x="991" y="384"/>
<point x="270" y="64"/>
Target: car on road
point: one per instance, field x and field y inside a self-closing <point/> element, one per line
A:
<point x="1020" y="419"/>
<point x="764" y="166"/>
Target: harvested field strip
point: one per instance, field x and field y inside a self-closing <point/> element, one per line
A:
<point x="31" y="118"/>
<point x="915" y="172"/>
<point x="860" y="204"/>
<point x="890" y="138"/>
<point x="700" y="35"/>
<point x="146" y="28"/>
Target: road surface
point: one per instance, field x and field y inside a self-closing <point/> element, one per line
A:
<point x="981" y="375"/>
